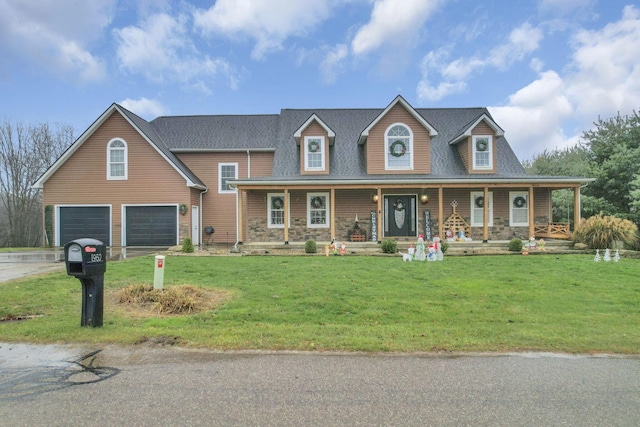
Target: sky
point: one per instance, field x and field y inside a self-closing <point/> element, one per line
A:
<point x="545" y="69"/>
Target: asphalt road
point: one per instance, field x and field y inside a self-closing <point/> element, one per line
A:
<point x="146" y="386"/>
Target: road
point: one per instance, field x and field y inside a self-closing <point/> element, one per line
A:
<point x="146" y="385"/>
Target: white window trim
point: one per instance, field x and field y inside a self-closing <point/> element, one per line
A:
<point x="288" y="215"/>
<point x="126" y="160"/>
<point x="512" y="196"/>
<point x="327" y="210"/>
<point x="489" y="150"/>
<point x="306" y="153"/>
<point x="386" y="148"/>
<point x="478" y="223"/>
<point x="220" y="165"/>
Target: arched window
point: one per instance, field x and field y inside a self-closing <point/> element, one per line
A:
<point x="117" y="159"/>
<point x="398" y="147"/>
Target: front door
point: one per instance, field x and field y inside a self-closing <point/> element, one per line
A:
<point x="400" y="215"/>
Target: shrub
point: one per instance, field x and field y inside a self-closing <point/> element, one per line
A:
<point x="183" y="299"/>
<point x="515" y="245"/>
<point x="600" y="232"/>
<point x="187" y="245"/>
<point x="444" y="246"/>
<point x="310" y="247"/>
<point x="389" y="246"/>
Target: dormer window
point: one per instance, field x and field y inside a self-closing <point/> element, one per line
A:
<point x="398" y="148"/>
<point x="117" y="159"/>
<point x="482" y="152"/>
<point x="314" y="147"/>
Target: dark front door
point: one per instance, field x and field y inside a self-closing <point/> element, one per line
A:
<point x="400" y="215"/>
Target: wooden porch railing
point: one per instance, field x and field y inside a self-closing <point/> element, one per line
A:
<point x="556" y="230"/>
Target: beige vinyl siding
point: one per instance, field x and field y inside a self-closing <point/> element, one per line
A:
<point x="219" y="210"/>
<point x="82" y="179"/>
<point x="314" y="129"/>
<point x="375" y="145"/>
<point x="464" y="149"/>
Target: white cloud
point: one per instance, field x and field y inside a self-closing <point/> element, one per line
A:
<point x="333" y="63"/>
<point x="393" y="23"/>
<point x="534" y="117"/>
<point x="268" y="22"/>
<point x="144" y="107"/>
<point x="605" y="68"/>
<point x="56" y="34"/>
<point x="452" y="75"/>
<point x="160" y="49"/>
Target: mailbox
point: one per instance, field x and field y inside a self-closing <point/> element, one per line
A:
<point x="86" y="259"/>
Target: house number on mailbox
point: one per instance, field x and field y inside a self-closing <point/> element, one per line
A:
<point x="96" y="257"/>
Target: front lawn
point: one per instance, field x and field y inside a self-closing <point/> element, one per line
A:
<point x="553" y="303"/>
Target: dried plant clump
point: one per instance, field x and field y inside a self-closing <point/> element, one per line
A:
<point x="599" y="232"/>
<point x="184" y="299"/>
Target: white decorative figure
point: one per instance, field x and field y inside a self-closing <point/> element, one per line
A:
<point x="412" y="251"/>
<point x="607" y="255"/>
<point x="438" y="247"/>
<point x="420" y="254"/>
<point x="616" y="257"/>
<point x="432" y="254"/>
<point x="597" y="257"/>
<point x="406" y="257"/>
<point x="532" y="243"/>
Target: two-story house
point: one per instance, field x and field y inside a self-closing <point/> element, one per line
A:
<point x="298" y="175"/>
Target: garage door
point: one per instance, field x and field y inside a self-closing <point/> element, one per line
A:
<point x="76" y="222"/>
<point x="151" y="225"/>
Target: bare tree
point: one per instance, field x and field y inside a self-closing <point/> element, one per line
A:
<point x="26" y="151"/>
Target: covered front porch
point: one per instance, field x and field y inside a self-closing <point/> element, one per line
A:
<point x="371" y="212"/>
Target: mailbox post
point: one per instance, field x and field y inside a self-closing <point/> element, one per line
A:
<point x="86" y="260"/>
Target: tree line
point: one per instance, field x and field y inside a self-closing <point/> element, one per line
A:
<point x="26" y="151"/>
<point x="610" y="153"/>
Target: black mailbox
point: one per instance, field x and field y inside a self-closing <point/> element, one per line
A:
<point x="86" y="259"/>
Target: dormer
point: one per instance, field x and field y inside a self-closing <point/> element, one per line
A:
<point x="398" y="141"/>
<point x="476" y="144"/>
<point x="314" y="138"/>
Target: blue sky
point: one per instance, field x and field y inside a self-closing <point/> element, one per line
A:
<point x="546" y="69"/>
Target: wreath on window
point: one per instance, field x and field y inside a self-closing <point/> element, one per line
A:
<point x="482" y="145"/>
<point x="480" y="202"/>
<point x="398" y="148"/>
<point x="316" y="202"/>
<point x="398" y="205"/>
<point x="519" y="202"/>
<point x="277" y="203"/>
<point x="314" y="146"/>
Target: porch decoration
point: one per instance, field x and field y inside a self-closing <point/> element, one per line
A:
<point x="183" y="209"/>
<point x="519" y="202"/>
<point x="479" y="201"/>
<point x="398" y="148"/>
<point x="457" y="224"/>
<point x="316" y="202"/>
<point x="424" y="198"/>
<point x="428" y="225"/>
<point x="420" y="254"/>
<point x="374" y="226"/>
<point x="314" y="146"/>
<point x="399" y="213"/>
<point x="356" y="234"/>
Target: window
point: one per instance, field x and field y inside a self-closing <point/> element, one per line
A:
<point x="398" y="152"/>
<point x="314" y="153"/>
<point x="117" y="159"/>
<point x="275" y="210"/>
<point x="519" y="212"/>
<point x="226" y="171"/>
<point x="477" y="209"/>
<point x="482" y="156"/>
<point x="318" y="210"/>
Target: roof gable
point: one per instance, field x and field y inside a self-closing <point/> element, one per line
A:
<point x="143" y="128"/>
<point x="298" y="133"/>
<point x="466" y="132"/>
<point x="399" y="100"/>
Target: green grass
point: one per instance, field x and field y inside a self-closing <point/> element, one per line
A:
<point x="491" y="303"/>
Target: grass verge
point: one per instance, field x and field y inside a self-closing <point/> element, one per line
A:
<point x="491" y="303"/>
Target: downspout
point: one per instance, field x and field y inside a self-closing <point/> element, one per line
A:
<point x="200" y="216"/>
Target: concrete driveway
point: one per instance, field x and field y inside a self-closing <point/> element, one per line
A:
<point x="15" y="265"/>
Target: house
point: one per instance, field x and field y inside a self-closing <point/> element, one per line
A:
<point x="322" y="174"/>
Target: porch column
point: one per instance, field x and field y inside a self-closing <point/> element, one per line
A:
<point x="379" y="207"/>
<point x="333" y="213"/>
<point x="239" y="209"/>
<point x="532" y="214"/>
<point x="440" y="212"/>
<point x="485" y="219"/>
<point x="286" y="216"/>
<point x="576" y="207"/>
